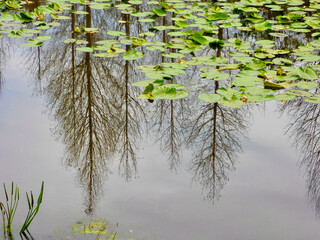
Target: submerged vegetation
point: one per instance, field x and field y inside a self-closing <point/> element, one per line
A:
<point x="236" y="45"/>
<point x="95" y="228"/>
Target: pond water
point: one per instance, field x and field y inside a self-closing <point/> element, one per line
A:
<point x="200" y="150"/>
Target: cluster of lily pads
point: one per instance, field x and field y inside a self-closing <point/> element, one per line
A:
<point x="240" y="71"/>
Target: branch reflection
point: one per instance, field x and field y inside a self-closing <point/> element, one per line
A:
<point x="4" y="55"/>
<point x="79" y="92"/>
<point x="304" y="129"/>
<point x="95" y="108"/>
<point x="215" y="137"/>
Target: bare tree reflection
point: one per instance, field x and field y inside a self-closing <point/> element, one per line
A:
<point x="34" y="66"/>
<point x="215" y="137"/>
<point x="168" y="117"/>
<point x="4" y="54"/>
<point x="131" y="119"/>
<point x="168" y="121"/>
<point x="80" y="92"/>
<point x="95" y="108"/>
<point x="305" y="131"/>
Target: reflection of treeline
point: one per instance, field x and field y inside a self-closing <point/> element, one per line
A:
<point x="97" y="114"/>
<point x="215" y="134"/>
<point x="304" y="129"/>
<point x="4" y="52"/>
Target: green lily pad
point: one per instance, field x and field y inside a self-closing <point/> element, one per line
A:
<point x="307" y="73"/>
<point x="215" y="75"/>
<point x="173" y="55"/>
<point x="132" y="54"/>
<point x="276" y="34"/>
<point x="313" y="99"/>
<point x="43" y="38"/>
<point x="235" y="103"/>
<point x="299" y="93"/>
<point x="116" y="33"/>
<point x="260" y="98"/>
<point x="145" y="83"/>
<point x="84" y="49"/>
<point x="199" y="39"/>
<point x="282" y="61"/>
<point x="209" y="97"/>
<point x="307" y="85"/>
<point x="284" y="97"/>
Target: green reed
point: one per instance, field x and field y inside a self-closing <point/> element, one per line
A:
<point x="33" y="209"/>
<point x="9" y="209"/>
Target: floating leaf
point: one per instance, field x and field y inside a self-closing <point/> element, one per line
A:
<point x="84" y="49"/>
<point x="307" y="73"/>
<point x="282" y="61"/>
<point x="209" y="97"/>
<point x="260" y="98"/>
<point x="116" y="33"/>
<point x="132" y="54"/>
<point x="199" y="39"/>
<point x="145" y="83"/>
<point x="173" y="55"/>
<point x="275" y="34"/>
<point x="138" y="41"/>
<point x="106" y="55"/>
<point x="158" y="12"/>
<point x="247" y="82"/>
<point x="215" y="75"/>
<point x="259" y="91"/>
<point x="300" y="93"/>
<point x="307" y="85"/>
<point x="167" y="92"/>
<point x="235" y="103"/>
<point x="218" y="16"/>
<point x="173" y="71"/>
<point x="273" y="86"/>
<point x="153" y="48"/>
<point x="43" y="38"/>
<point x="284" y="97"/>
<point x="313" y="99"/>
<point x="70" y="40"/>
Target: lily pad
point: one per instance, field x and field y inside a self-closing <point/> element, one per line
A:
<point x="132" y="54"/>
<point x="209" y="97"/>
<point x="276" y="34"/>
<point x="307" y="85"/>
<point x="284" y="97"/>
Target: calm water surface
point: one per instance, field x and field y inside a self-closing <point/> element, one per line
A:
<point x="180" y="170"/>
<point x="261" y="193"/>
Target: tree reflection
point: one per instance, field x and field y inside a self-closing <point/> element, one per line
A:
<point x="34" y="66"/>
<point x="215" y="138"/>
<point x="168" y="116"/>
<point x="132" y="117"/>
<point x="304" y="128"/>
<point x="4" y="52"/>
<point x="79" y="91"/>
<point x="215" y="135"/>
<point x="95" y="108"/>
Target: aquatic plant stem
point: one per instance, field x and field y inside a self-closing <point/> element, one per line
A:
<point x="10" y="209"/>
<point x="3" y="218"/>
<point x="32" y="211"/>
